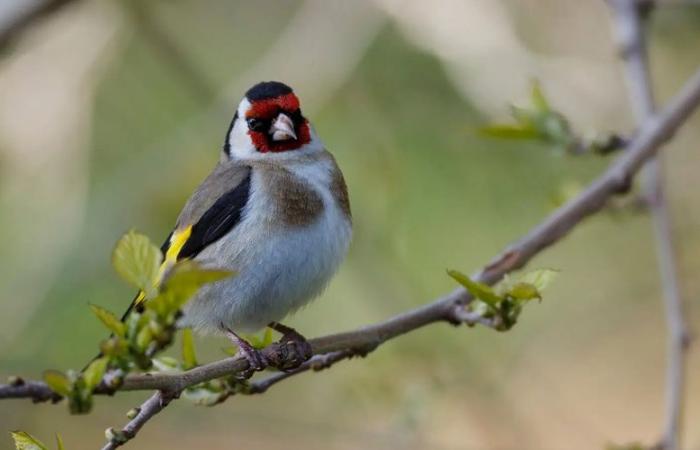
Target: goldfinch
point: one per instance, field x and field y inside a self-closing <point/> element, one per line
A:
<point x="274" y="210"/>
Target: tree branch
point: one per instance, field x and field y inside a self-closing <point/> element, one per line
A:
<point x="628" y="15"/>
<point x="450" y="308"/>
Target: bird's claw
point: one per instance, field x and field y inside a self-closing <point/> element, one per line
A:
<point x="292" y="343"/>
<point x="256" y="360"/>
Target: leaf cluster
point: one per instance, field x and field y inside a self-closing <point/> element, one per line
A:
<point x="539" y="122"/>
<point x="146" y="330"/>
<point x="505" y="301"/>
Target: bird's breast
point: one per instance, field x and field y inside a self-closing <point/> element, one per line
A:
<point x="292" y="201"/>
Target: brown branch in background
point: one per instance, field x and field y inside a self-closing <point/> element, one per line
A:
<point x="629" y="15"/>
<point x="452" y="307"/>
<point x="14" y="28"/>
<point x="169" y="51"/>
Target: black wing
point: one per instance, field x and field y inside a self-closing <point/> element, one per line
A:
<point x="218" y="220"/>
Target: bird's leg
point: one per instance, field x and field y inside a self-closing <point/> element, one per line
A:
<point x="255" y="358"/>
<point x="292" y="339"/>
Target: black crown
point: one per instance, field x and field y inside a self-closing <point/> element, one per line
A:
<point x="267" y="89"/>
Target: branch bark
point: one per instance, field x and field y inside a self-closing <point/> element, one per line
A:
<point x="631" y="37"/>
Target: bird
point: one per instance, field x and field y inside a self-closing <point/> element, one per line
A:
<point x="274" y="210"/>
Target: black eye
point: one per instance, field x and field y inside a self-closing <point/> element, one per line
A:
<point x="296" y="116"/>
<point x="256" y="124"/>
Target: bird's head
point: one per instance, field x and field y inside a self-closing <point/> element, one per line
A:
<point x="268" y="121"/>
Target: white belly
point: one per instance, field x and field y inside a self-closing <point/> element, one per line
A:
<point x="277" y="271"/>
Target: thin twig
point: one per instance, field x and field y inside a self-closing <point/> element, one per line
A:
<point x="451" y="307"/>
<point x="144" y="413"/>
<point x="634" y="50"/>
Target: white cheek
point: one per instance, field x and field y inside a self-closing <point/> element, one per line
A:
<point x="239" y="140"/>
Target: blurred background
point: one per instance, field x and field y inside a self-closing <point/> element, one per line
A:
<point x="111" y="112"/>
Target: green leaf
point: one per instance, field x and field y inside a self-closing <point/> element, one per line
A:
<point x="137" y="260"/>
<point x="525" y="117"/>
<point x="109" y="320"/>
<point x="524" y="291"/>
<point x="479" y="290"/>
<point x="94" y="372"/>
<point x="188" y="353"/>
<point x="59" y="442"/>
<point x="190" y="275"/>
<point x="25" y="441"/>
<point x="537" y="97"/>
<point x="555" y="129"/>
<point x="80" y="398"/>
<point x="184" y="280"/>
<point x="540" y="278"/>
<point x="114" y="346"/>
<point x="143" y="338"/>
<point x="505" y="131"/>
<point x="58" y="382"/>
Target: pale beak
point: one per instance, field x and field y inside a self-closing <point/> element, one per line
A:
<point x="282" y="128"/>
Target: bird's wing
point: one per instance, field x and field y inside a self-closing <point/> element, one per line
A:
<point x="213" y="210"/>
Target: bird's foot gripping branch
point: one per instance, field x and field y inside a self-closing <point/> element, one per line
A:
<point x="137" y="341"/>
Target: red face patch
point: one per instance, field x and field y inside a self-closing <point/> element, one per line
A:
<point x="267" y="110"/>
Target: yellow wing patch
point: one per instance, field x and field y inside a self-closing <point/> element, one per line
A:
<point x="177" y="241"/>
